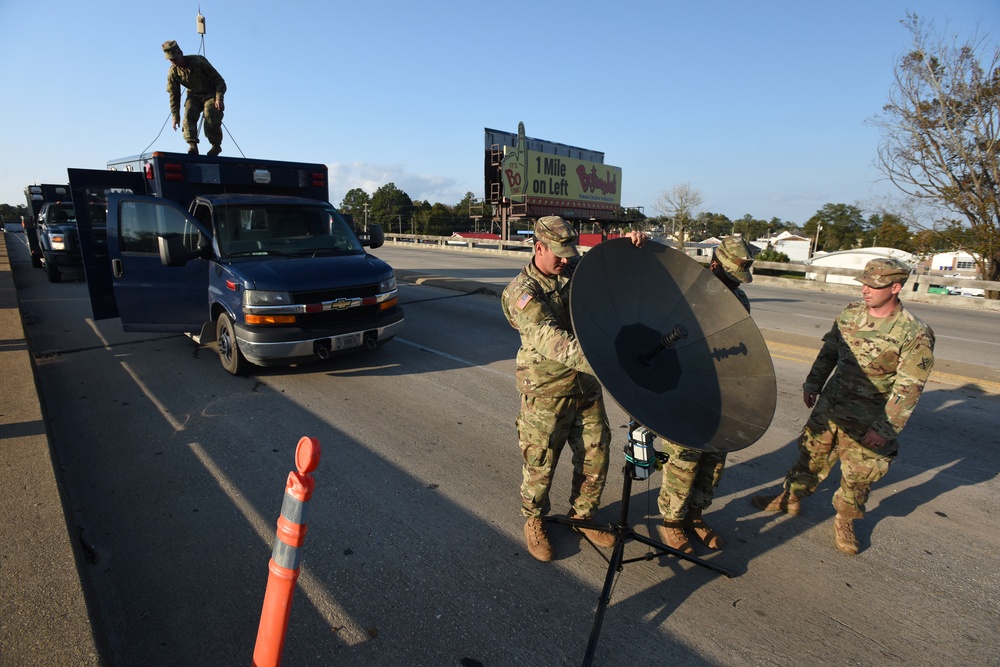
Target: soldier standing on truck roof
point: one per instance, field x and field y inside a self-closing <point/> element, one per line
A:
<point x="205" y="91"/>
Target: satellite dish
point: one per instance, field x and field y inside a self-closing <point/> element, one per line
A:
<point x="673" y="345"/>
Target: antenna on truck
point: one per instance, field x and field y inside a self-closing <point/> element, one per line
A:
<point x="200" y="27"/>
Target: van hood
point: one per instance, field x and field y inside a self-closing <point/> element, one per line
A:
<point x="308" y="274"/>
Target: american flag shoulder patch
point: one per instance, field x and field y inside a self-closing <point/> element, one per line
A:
<point x="523" y="301"/>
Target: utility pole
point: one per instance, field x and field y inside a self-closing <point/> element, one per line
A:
<point x="819" y="226"/>
<point x="366" y="217"/>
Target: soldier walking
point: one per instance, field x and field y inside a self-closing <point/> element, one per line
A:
<point x="881" y="356"/>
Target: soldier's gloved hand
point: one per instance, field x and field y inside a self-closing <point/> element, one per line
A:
<point x="176" y="122"/>
<point x="809" y="398"/>
<point x="873" y="439"/>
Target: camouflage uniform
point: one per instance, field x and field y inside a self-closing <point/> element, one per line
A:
<point x="879" y="366"/>
<point x="690" y="476"/>
<point x="561" y="399"/>
<point x="204" y="86"/>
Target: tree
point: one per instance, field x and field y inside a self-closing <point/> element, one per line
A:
<point x="463" y="209"/>
<point x="389" y="206"/>
<point x="888" y="230"/>
<point x="712" y="224"/>
<point x="355" y="203"/>
<point x="940" y="131"/>
<point x="843" y="227"/>
<point x="10" y="214"/>
<point x="771" y="255"/>
<point x="926" y="242"/>
<point x="680" y="203"/>
<point x="440" y="220"/>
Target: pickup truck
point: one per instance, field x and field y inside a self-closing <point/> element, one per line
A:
<point x="36" y="197"/>
<point x="242" y="252"/>
<point x="58" y="240"/>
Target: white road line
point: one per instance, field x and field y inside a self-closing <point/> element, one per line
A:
<point x="470" y="364"/>
<point x="336" y="617"/>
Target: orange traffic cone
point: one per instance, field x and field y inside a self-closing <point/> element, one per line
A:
<point x="283" y="568"/>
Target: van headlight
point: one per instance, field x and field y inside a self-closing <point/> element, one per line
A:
<point x="387" y="284"/>
<point x="256" y="298"/>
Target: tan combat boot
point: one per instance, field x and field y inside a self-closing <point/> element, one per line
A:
<point x="693" y="523"/>
<point x="597" y="537"/>
<point x="843" y="533"/>
<point x="672" y="534"/>
<point x="538" y="541"/>
<point x="192" y="148"/>
<point x="783" y="502"/>
<point x="215" y="149"/>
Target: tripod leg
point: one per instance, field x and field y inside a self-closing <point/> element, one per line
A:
<point x="614" y="566"/>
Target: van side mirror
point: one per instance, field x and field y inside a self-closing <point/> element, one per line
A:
<point x="376" y="237"/>
<point x="173" y="252"/>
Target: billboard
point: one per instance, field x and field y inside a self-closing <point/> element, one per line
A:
<point x="549" y="178"/>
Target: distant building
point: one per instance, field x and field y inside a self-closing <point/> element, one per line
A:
<point x="701" y="251"/>
<point x="956" y="261"/>
<point x="855" y="259"/>
<point x="794" y="246"/>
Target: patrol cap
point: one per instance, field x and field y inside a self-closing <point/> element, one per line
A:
<point x="735" y="258"/>
<point x="883" y="272"/>
<point x="557" y="234"/>
<point x="170" y="49"/>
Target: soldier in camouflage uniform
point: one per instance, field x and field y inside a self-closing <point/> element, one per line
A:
<point x="205" y="92"/>
<point x="690" y="476"/>
<point x="881" y="356"/>
<point x="561" y="399"/>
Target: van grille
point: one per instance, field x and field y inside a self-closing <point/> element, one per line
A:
<point x="335" y="317"/>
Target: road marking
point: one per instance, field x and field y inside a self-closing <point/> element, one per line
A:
<point x="173" y="421"/>
<point x="336" y="617"/>
<point x="470" y="364"/>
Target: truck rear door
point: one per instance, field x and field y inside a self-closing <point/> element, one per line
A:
<point x="90" y="189"/>
<point x="137" y="287"/>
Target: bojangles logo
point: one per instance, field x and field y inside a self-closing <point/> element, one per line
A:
<point x="590" y="182"/>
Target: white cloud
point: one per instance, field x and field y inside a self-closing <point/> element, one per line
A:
<point x="370" y="177"/>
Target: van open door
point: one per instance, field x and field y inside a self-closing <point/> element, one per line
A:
<point x="128" y="256"/>
<point x="90" y="189"/>
<point x="159" y="264"/>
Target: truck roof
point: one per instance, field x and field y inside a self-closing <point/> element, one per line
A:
<point x="230" y="199"/>
<point x="181" y="177"/>
<point x="42" y="193"/>
<point x="224" y="159"/>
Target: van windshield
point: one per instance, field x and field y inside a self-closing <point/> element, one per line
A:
<point x="60" y="214"/>
<point x="296" y="230"/>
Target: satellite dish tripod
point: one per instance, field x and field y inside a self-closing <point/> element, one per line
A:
<point x="680" y="354"/>
<point x="640" y="461"/>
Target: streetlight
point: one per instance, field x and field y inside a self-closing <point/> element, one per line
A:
<point x="819" y="226"/>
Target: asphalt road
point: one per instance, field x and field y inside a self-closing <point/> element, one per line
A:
<point x="175" y="471"/>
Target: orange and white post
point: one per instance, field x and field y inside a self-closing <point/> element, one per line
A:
<point x="286" y="557"/>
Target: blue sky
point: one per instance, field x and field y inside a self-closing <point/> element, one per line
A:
<point x="759" y="105"/>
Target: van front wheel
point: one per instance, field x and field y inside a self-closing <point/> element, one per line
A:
<point x="229" y="351"/>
